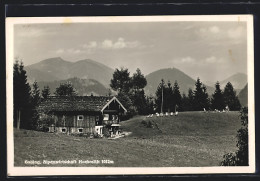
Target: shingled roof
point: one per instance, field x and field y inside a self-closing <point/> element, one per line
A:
<point x="74" y="103"/>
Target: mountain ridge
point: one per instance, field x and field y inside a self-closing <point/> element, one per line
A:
<point x="59" y="69"/>
<point x="172" y="74"/>
<point x="83" y="87"/>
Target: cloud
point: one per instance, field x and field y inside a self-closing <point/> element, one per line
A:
<point x="187" y="60"/>
<point x="213" y="59"/>
<point x="59" y="51"/>
<point x="193" y="61"/>
<point x="120" y="43"/>
<point x="106" y="44"/>
<point x="92" y="44"/>
<point x="183" y="60"/>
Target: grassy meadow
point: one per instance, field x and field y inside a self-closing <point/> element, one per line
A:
<point x="189" y="139"/>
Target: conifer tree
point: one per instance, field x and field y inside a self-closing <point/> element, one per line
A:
<point x="191" y="100"/>
<point x="230" y="98"/>
<point x="176" y="95"/>
<point x="46" y="92"/>
<point x="35" y="101"/>
<point x="169" y="101"/>
<point x="138" y="80"/>
<point x="184" y="102"/>
<point x="22" y="97"/>
<point x="137" y="95"/>
<point x="200" y="96"/>
<point x="217" y="101"/>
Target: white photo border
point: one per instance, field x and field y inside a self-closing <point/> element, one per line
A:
<point x="46" y="171"/>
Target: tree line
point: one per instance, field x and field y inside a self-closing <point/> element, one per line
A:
<point x="128" y="89"/>
<point x="197" y="99"/>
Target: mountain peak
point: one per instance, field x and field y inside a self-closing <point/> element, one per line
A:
<point x="60" y="69"/>
<point x="53" y="59"/>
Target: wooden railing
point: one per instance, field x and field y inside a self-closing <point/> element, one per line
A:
<point x="109" y="122"/>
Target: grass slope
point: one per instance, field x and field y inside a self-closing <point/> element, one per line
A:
<point x="191" y="139"/>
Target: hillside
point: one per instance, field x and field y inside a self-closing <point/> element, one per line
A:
<point x="191" y="139"/>
<point x="184" y="81"/>
<point x="59" y="69"/>
<point x="243" y="96"/>
<point x="83" y="86"/>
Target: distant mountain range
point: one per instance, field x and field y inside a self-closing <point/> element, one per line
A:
<point x="171" y="74"/>
<point x="84" y="87"/>
<point x="243" y="96"/>
<point x="58" y="69"/>
<point x="89" y="76"/>
<point x="238" y="80"/>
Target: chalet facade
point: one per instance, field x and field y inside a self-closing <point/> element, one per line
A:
<point x="82" y="114"/>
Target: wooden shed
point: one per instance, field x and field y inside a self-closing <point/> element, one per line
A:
<point x="82" y="114"/>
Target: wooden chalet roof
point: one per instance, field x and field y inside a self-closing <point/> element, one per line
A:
<point x="74" y="103"/>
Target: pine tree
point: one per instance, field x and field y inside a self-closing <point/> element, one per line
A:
<point x="139" y="101"/>
<point x="217" y="101"/>
<point x="149" y="109"/>
<point x="22" y="97"/>
<point x="137" y="95"/>
<point x="46" y="92"/>
<point x="138" y="80"/>
<point x="176" y="95"/>
<point x="200" y="96"/>
<point x="169" y="101"/>
<point x="191" y="100"/>
<point x="230" y="98"/>
<point x="184" y="102"/>
<point x="35" y="101"/>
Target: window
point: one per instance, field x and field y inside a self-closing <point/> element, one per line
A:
<point x="106" y="117"/>
<point x="114" y="117"/>
<point x="97" y="118"/>
<point x="80" y="130"/>
<point x="63" y="130"/>
<point x="80" y="117"/>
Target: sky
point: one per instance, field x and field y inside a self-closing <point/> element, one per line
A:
<point x="209" y="50"/>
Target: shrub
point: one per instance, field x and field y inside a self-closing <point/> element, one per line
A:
<point x="240" y="157"/>
<point x="144" y="123"/>
<point x="147" y="124"/>
<point x="106" y="132"/>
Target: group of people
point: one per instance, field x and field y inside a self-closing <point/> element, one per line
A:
<point x="163" y="115"/>
<point x="216" y="110"/>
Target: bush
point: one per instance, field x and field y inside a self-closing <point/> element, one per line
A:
<point x="147" y="124"/>
<point x="240" y="157"/>
<point x="106" y="132"/>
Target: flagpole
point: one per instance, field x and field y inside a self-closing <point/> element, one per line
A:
<point x="162" y="100"/>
